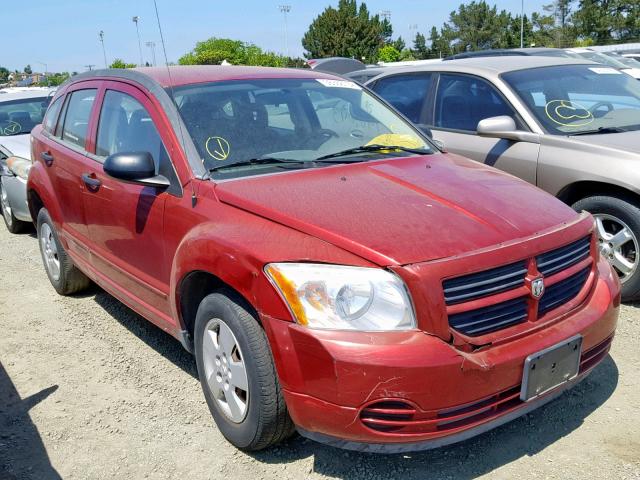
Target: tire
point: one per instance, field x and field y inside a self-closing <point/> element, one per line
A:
<point x="13" y="224"/>
<point x="614" y="214"/>
<point x="66" y="278"/>
<point x="264" y="421"/>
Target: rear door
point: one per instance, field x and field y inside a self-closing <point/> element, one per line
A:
<point x="126" y="219"/>
<point x="460" y="102"/>
<point x="63" y="151"/>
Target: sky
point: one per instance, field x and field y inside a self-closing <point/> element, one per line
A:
<point x="63" y="34"/>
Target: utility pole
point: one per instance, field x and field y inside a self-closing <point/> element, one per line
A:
<point x="522" y="26"/>
<point x="152" y="46"/>
<point x="285" y="9"/>
<point x="104" y="52"/>
<point x="135" y="20"/>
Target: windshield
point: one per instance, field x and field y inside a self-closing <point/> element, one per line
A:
<point x="571" y="99"/>
<point x="602" y="58"/>
<point x="20" y="116"/>
<point x="628" y="62"/>
<point x="293" y="120"/>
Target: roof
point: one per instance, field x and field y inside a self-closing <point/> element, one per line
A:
<point x="187" y="74"/>
<point x="493" y="65"/>
<point x="19" y="94"/>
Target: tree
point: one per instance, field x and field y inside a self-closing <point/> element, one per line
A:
<point x="346" y="31"/>
<point x="28" y="70"/>
<point x="439" y="43"/>
<point x="214" y="51"/>
<point x="420" y="49"/>
<point x="119" y="63"/>
<point x="4" y="74"/>
<point x="477" y="26"/>
<point x="389" y="53"/>
<point x="606" y="21"/>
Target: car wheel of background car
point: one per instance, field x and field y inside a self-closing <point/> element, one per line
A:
<point x="237" y="374"/>
<point x="13" y="224"/>
<point x="618" y="230"/>
<point x="63" y="274"/>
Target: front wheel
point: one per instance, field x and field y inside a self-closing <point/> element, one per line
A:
<point x="238" y="375"/>
<point x="13" y="224"/>
<point x="618" y="230"/>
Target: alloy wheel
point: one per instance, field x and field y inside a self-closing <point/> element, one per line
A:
<point x="50" y="251"/>
<point x="225" y="370"/>
<point x="618" y="244"/>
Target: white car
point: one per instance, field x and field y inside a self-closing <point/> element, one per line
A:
<point x="20" y="111"/>
<point x="605" y="59"/>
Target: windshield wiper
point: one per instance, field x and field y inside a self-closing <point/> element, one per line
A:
<point x="372" y="148"/>
<point x="600" y="130"/>
<point x="257" y="161"/>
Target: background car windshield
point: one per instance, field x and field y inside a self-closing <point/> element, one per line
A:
<point x="20" y="116"/>
<point x="294" y="119"/>
<point x="573" y="99"/>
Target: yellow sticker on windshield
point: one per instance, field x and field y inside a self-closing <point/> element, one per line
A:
<point x="397" y="139"/>
<point x="218" y="148"/>
<point x="12" y="129"/>
<point x="568" y="114"/>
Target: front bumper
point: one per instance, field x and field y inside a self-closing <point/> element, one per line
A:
<point x="17" y="192"/>
<point x="332" y="379"/>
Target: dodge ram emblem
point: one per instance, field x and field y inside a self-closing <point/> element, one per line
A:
<point x="537" y="287"/>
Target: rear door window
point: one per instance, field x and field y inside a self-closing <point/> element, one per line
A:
<point x="407" y="93"/>
<point x="76" y="121"/>
<point x="51" y="116"/>
<point x="463" y="100"/>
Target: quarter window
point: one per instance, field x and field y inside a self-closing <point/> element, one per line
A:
<point x="462" y="101"/>
<point x="76" y="122"/>
<point x="406" y="92"/>
<point x="51" y="116"/>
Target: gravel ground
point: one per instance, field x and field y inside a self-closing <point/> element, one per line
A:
<point x="90" y="390"/>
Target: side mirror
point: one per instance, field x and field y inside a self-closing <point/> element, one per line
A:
<point x="505" y="127"/>
<point x="135" y="167"/>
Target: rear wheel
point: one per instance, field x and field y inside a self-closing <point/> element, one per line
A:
<point x="238" y="375"/>
<point x="13" y="224"/>
<point x="63" y="274"/>
<point x="618" y="230"/>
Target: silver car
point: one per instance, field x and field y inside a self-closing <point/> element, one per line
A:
<point x="572" y="127"/>
<point x="20" y="111"/>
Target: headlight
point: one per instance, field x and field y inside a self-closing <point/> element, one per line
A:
<point x="343" y="298"/>
<point x="19" y="166"/>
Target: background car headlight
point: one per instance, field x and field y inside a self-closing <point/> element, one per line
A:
<point x="19" y="166"/>
<point x="342" y="297"/>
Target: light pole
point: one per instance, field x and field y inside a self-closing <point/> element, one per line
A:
<point x="45" y="72"/>
<point x="285" y="9"/>
<point x="522" y="26"/>
<point x="135" y="20"/>
<point x="152" y="46"/>
<point x="104" y="52"/>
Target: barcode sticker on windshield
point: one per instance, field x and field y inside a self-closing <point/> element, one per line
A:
<point x="338" y="83"/>
<point x="605" y="71"/>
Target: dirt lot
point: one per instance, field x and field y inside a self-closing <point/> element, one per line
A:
<point x="89" y="390"/>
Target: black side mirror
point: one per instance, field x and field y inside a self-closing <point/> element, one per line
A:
<point x="135" y="167"/>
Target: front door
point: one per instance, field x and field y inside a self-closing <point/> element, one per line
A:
<point x="461" y="101"/>
<point x="125" y="219"/>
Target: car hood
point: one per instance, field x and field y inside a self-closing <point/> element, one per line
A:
<point x="404" y="210"/>
<point x="629" y="141"/>
<point x="18" y="145"/>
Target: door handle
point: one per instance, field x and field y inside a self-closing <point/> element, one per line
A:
<point x="91" y="181"/>
<point x="47" y="158"/>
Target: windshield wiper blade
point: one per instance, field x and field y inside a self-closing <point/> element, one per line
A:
<point x="372" y="148"/>
<point x="600" y="130"/>
<point x="257" y="161"/>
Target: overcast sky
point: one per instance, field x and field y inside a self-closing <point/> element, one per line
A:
<point x="64" y="33"/>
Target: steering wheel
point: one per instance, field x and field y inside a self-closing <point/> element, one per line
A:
<point x="595" y="107"/>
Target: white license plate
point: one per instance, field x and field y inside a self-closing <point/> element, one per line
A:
<point x="550" y="368"/>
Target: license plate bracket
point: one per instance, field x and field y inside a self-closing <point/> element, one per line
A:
<point x="550" y="368"/>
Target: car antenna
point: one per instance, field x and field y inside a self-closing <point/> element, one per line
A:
<point x="173" y="98"/>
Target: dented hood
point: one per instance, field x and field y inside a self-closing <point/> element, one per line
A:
<point x="403" y="210"/>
